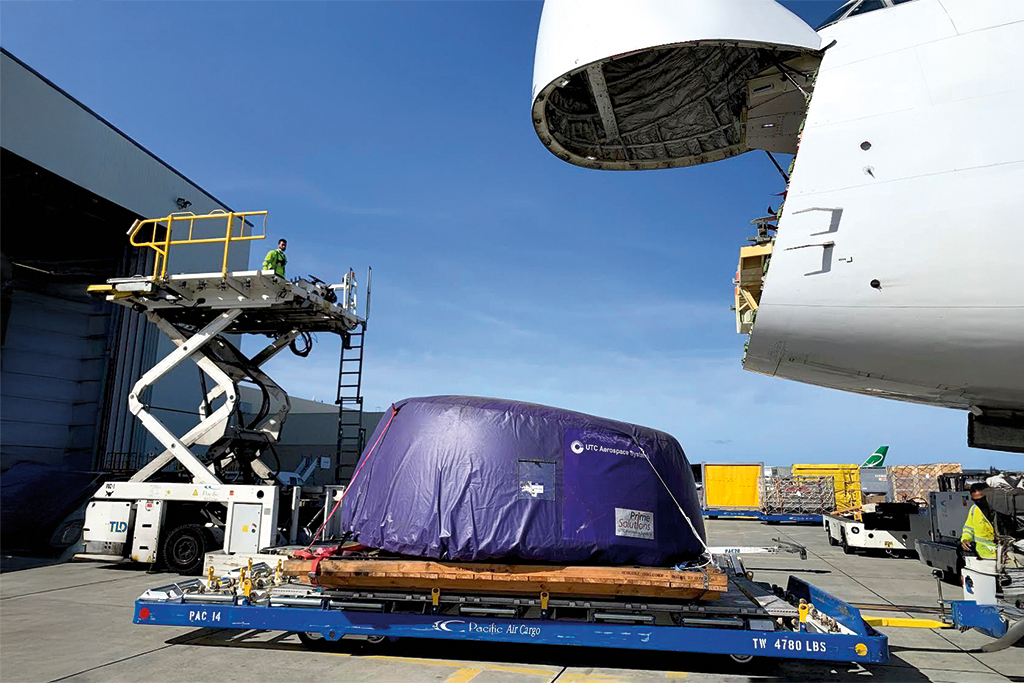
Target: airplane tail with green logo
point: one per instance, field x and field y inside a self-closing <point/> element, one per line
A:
<point x="877" y="458"/>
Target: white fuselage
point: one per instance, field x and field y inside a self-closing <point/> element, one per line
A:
<point x="897" y="269"/>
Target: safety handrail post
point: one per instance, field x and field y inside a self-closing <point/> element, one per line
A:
<point x="162" y="246"/>
<point x="227" y="245"/>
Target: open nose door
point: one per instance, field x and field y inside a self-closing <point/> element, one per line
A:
<point x="640" y="84"/>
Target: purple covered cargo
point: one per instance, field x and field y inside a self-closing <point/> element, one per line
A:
<point x="467" y="478"/>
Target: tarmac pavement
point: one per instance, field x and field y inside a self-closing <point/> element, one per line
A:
<point x="73" y="622"/>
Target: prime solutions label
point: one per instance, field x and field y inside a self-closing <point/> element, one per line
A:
<point x="634" y="523"/>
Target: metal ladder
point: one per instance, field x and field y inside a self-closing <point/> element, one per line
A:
<point x="351" y="435"/>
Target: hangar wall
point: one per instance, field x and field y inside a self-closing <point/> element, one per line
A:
<point x="72" y="185"/>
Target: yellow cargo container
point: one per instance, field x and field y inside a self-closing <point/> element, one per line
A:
<point x="732" y="486"/>
<point x="846" y="477"/>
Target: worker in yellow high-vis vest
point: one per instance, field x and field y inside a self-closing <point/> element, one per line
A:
<point x="276" y="260"/>
<point x="978" y="529"/>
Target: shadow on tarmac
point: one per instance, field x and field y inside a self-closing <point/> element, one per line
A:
<point x="789" y="570"/>
<point x="766" y="669"/>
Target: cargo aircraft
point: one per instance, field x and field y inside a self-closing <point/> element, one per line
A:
<point x="894" y="266"/>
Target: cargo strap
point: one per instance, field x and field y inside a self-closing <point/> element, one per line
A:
<point x="366" y="458"/>
<point x="314" y="570"/>
<point x="707" y="552"/>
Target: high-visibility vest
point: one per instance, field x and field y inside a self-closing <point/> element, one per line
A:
<point x="979" y="529"/>
<point x="275" y="261"/>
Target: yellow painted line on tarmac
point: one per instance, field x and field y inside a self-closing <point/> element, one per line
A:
<point x="675" y="674"/>
<point x="526" y="671"/>
<point x="588" y="678"/>
<point x="463" y="675"/>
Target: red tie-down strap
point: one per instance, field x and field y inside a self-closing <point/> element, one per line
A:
<point x="320" y="552"/>
<point x="369" y="454"/>
<point x="315" y="569"/>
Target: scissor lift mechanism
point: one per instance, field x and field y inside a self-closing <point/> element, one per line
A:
<point x="196" y="311"/>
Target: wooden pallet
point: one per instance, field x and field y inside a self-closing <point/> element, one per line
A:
<point x="653" y="582"/>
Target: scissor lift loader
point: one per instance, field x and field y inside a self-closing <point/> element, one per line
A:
<point x="231" y="494"/>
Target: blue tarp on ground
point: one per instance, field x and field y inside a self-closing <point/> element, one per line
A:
<point x="467" y="478"/>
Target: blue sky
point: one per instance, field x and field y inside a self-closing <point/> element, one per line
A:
<point x="398" y="135"/>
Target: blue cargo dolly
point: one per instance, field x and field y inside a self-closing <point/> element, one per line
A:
<point x="318" y="616"/>
<point x="713" y="513"/>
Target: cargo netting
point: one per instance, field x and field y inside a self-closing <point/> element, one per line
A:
<point x="913" y="482"/>
<point x="798" y="495"/>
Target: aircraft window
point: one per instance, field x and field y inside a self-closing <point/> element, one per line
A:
<point x="867" y="6"/>
<point x="834" y="17"/>
<point x="900" y="2"/>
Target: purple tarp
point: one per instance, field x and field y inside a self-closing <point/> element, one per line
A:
<point x="466" y="478"/>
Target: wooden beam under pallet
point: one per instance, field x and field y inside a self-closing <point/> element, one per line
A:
<point x="695" y="584"/>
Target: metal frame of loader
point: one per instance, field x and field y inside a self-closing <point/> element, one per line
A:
<point x="229" y="495"/>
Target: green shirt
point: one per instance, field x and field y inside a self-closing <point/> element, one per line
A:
<point x="275" y="261"/>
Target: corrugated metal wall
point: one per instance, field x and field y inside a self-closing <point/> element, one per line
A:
<point x="52" y="376"/>
<point x="131" y="350"/>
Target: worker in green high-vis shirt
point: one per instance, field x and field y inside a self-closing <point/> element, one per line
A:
<point x="276" y="260"/>
<point x="978" y="534"/>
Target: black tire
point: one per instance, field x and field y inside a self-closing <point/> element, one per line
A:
<point x="313" y="640"/>
<point x="831" y="540"/>
<point x="184" y="549"/>
<point x="846" y="546"/>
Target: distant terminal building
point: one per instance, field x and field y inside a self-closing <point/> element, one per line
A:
<point x="72" y="185"/>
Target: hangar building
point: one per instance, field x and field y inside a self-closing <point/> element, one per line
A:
<point x="72" y="186"/>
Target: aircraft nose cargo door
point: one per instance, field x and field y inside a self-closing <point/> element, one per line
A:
<point x="641" y="84"/>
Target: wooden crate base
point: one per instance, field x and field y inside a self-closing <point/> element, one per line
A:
<point x="653" y="582"/>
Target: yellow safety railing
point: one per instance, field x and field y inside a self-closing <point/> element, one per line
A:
<point x="161" y="244"/>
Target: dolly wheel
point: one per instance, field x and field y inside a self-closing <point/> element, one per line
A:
<point x="742" y="659"/>
<point x="185" y="549"/>
<point x="313" y="640"/>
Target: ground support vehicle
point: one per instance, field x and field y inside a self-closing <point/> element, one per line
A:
<point x="228" y="490"/>
<point x="749" y="619"/>
<point x="892" y="532"/>
<point x="941" y="550"/>
<point x="949" y="507"/>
